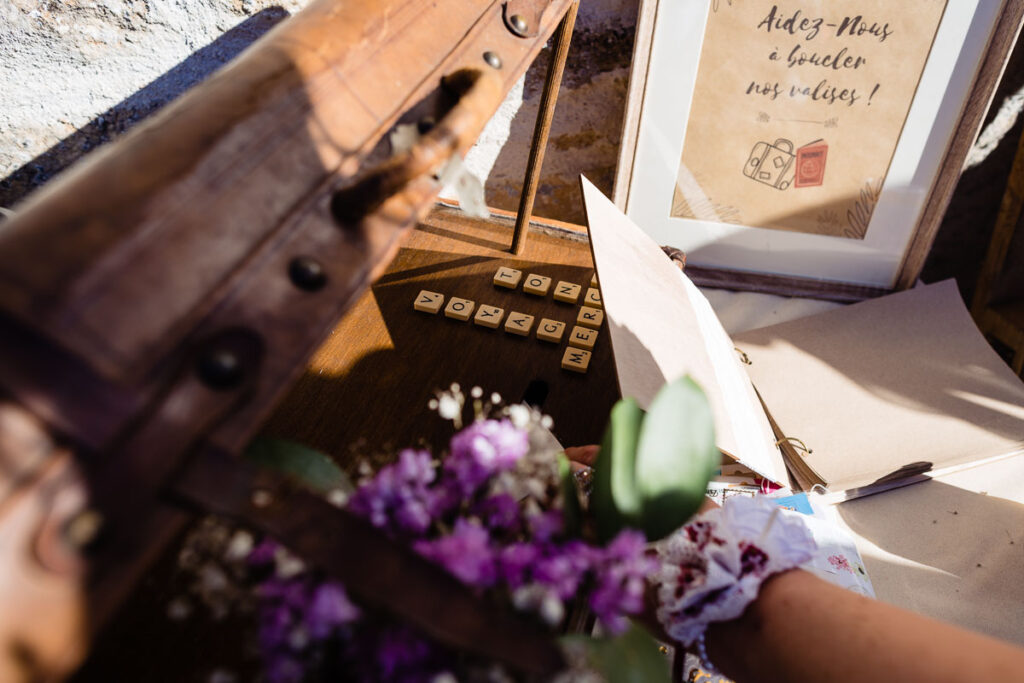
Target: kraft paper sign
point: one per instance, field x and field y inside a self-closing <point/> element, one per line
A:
<point x="797" y="109"/>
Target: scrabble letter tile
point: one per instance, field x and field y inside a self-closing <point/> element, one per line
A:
<point x="576" y="360"/>
<point x="550" y="330"/>
<point x="537" y="284"/>
<point x="567" y="292"/>
<point x="593" y="298"/>
<point x="519" y="323"/>
<point x="428" y="302"/>
<point x="590" y="317"/>
<point x="593" y="279"/>
<point x="489" y="316"/>
<point x="582" y="338"/>
<point x="507" y="277"/>
<point x="460" y="309"/>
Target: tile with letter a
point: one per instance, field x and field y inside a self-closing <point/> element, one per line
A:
<point x="550" y="330"/>
<point x="582" y="337"/>
<point x="489" y="316"/>
<point x="518" y="323"/>
<point x="428" y="302"/>
<point x="590" y="317"/>
<point x="593" y="298"/>
<point x="537" y="284"/>
<point x="577" y="360"/>
<point x="567" y="292"/>
<point x="460" y="309"/>
<point x="507" y="277"/>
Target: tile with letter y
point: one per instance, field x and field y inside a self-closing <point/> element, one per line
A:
<point x="489" y="316"/>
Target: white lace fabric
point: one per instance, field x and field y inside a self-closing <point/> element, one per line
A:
<point x="713" y="567"/>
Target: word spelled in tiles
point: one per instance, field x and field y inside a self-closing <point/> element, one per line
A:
<point x="567" y="292"/>
<point x="550" y="330"/>
<point x="508" y="277"/>
<point x="575" y="359"/>
<point x="519" y="323"/>
<point x="428" y="302"/>
<point x="538" y="285"/>
<point x="593" y="298"/>
<point x="590" y="317"/>
<point x="460" y="309"/>
<point x="582" y="337"/>
<point x="489" y="316"/>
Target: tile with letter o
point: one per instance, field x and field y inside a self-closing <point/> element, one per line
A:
<point x="537" y="284"/>
<point x="577" y="360"/>
<point x="593" y="298"/>
<point x="428" y="302"/>
<point x="590" y="317"/>
<point x="518" y="323"/>
<point x="567" y="292"/>
<point x="582" y="337"/>
<point x="507" y="277"/>
<point x="550" y="330"/>
<point x="460" y="309"/>
<point x="489" y="316"/>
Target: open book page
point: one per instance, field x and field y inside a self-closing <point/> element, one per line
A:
<point x="885" y="390"/>
<point x="662" y="328"/>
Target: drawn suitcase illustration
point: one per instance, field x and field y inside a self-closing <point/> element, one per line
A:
<point x="771" y="164"/>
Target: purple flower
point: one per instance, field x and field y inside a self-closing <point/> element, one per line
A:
<point x="563" y="568"/>
<point x="513" y="562"/>
<point x="275" y="625"/>
<point x="263" y="554"/>
<point x="399" y="498"/>
<point x="546" y="525"/>
<point x="481" y="450"/>
<point x="466" y="553"/>
<point x="500" y="512"/>
<point x="620" y="574"/>
<point x="284" y="669"/>
<point x="329" y="608"/>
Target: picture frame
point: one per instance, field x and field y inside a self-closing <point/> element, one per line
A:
<point x="936" y="115"/>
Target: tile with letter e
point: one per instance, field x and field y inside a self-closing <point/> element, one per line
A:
<point x="460" y="309"/>
<point x="518" y="323"/>
<point x="590" y="317"/>
<point x="582" y="337"/>
<point x="537" y="284"/>
<point x="428" y="302"/>
<point x="567" y="292"/>
<point x="577" y="360"/>
<point x="489" y="316"/>
<point x="593" y="298"/>
<point x="507" y="277"/>
<point x="550" y="330"/>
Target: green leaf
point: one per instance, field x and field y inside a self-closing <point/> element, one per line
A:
<point x="310" y="467"/>
<point x="676" y="457"/>
<point x="571" y="512"/>
<point x="615" y="500"/>
<point x="633" y="657"/>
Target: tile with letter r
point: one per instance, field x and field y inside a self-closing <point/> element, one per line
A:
<point x="550" y="330"/>
<point x="567" y="292"/>
<point x="460" y="309"/>
<point x="518" y="323"/>
<point x="507" y="277"/>
<point x="577" y="360"/>
<point x="593" y="298"/>
<point x="582" y="337"/>
<point x="428" y="302"/>
<point x="590" y="317"/>
<point x="489" y="316"/>
<point x="537" y="284"/>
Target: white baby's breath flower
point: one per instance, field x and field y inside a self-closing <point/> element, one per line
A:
<point x="476" y="392"/>
<point x="519" y="414"/>
<point x="448" y="407"/>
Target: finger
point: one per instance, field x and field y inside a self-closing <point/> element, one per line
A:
<point x="585" y="455"/>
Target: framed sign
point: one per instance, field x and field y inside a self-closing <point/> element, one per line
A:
<point x="806" y="147"/>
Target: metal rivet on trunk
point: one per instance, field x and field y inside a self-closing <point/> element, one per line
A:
<point x="493" y="60"/>
<point x="220" y="369"/>
<point x="307" y="273"/>
<point x="518" y="25"/>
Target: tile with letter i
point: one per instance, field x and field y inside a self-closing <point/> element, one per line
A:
<point x="518" y="323"/>
<point x="582" y="337"/>
<point x="593" y="298"/>
<point x="550" y="330"/>
<point x="507" y="277"/>
<point x="459" y="309"/>
<point x="567" y="292"/>
<point x="590" y="317"/>
<point x="537" y="284"/>
<point x="577" y="360"/>
<point x="428" y="302"/>
<point x="489" y="316"/>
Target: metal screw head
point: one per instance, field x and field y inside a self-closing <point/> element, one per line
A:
<point x="518" y="24"/>
<point x="492" y="59"/>
<point x="307" y="273"/>
<point x="220" y="369"/>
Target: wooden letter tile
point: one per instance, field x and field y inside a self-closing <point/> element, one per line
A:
<point x="537" y="284"/>
<point x="582" y="338"/>
<point x="576" y="360"/>
<point x="460" y="309"/>
<point x="593" y="279"/>
<point x="507" y="277"/>
<point x="550" y="330"/>
<point x="567" y="292"/>
<point x="519" y="323"/>
<point x="489" y="316"/>
<point x="593" y="298"/>
<point x="590" y="317"/>
<point x="428" y="302"/>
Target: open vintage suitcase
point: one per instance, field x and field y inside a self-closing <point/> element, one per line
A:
<point x="158" y="301"/>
